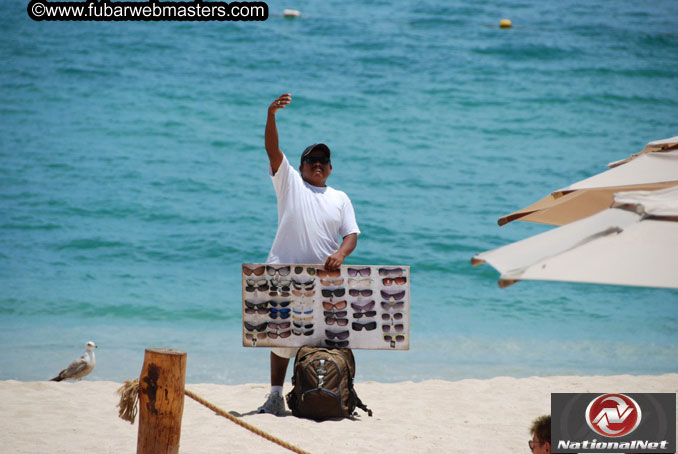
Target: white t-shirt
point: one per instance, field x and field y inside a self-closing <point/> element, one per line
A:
<point x="310" y="219"/>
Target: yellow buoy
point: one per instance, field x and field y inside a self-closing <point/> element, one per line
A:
<point x="505" y="23"/>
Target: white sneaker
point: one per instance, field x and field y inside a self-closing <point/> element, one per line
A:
<point x="274" y="405"/>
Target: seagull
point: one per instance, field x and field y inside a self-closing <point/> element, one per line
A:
<point x="81" y="366"/>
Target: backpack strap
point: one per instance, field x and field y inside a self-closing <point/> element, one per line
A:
<point x="358" y="403"/>
<point x="362" y="406"/>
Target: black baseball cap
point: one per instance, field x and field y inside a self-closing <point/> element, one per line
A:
<point x="315" y="146"/>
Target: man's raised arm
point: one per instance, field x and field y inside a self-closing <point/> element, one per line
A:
<point x="275" y="156"/>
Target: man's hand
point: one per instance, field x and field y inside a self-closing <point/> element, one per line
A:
<point x="280" y="103"/>
<point x="348" y="244"/>
<point x="334" y="261"/>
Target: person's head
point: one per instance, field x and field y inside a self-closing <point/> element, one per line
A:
<point x="541" y="435"/>
<point x="315" y="165"/>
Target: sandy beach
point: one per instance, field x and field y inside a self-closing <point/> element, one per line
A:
<point x="474" y="416"/>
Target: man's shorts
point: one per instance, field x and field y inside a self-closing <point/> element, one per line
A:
<point x="285" y="352"/>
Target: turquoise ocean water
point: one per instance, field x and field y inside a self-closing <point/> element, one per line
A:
<point x="133" y="178"/>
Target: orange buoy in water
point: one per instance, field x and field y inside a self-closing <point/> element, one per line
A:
<point x="505" y="23"/>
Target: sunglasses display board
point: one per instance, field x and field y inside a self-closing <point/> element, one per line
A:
<point x="364" y="307"/>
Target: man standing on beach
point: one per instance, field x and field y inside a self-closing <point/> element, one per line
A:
<point x="311" y="218"/>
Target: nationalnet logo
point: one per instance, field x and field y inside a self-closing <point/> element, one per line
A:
<point x="613" y="423"/>
<point x="613" y="415"/>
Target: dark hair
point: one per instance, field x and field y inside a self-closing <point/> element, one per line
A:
<point x="541" y="427"/>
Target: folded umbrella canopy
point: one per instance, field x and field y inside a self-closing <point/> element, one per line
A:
<point x="655" y="167"/>
<point x="635" y="243"/>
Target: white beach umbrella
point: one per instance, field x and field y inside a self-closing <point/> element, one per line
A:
<point x="655" y="167"/>
<point x="635" y="243"/>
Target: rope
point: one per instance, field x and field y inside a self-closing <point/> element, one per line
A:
<point x="129" y="397"/>
<point x="242" y="423"/>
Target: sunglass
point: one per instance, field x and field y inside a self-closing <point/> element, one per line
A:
<point x="250" y="289"/>
<point x="341" y="335"/>
<point x="325" y="273"/>
<point x="303" y="293"/>
<point x="279" y="304"/>
<point x="279" y="290"/>
<point x="329" y="306"/>
<point x="395" y="305"/>
<point x="282" y="270"/>
<point x="278" y="326"/>
<point x="260" y="327"/>
<point x="336" y="344"/>
<point x="275" y="334"/>
<point x="338" y="321"/>
<point x="390" y="271"/>
<point x="394" y="280"/>
<point x="259" y="311"/>
<point x="388" y="317"/>
<point x="282" y="313"/>
<point x="364" y="307"/>
<point x="298" y="332"/>
<point x="300" y="269"/>
<point x="399" y="328"/>
<point x="259" y="308"/>
<point x="313" y="159"/>
<point x="395" y="296"/>
<point x="258" y="271"/>
<point x="302" y="319"/>
<point x="256" y="282"/>
<point x="365" y="314"/>
<point x="301" y="325"/>
<point x="328" y="282"/>
<point x="280" y="283"/>
<point x="251" y="336"/>
<point x="303" y="285"/>
<point x="356" y="292"/>
<point x="353" y="272"/>
<point x="368" y="326"/>
<point x="395" y="337"/>
<point x="335" y="292"/>
<point x="310" y="311"/>
<point x="335" y="314"/>
<point x="359" y="282"/>
<point x="532" y="444"/>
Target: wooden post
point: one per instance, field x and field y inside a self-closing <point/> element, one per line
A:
<point x="161" y="401"/>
